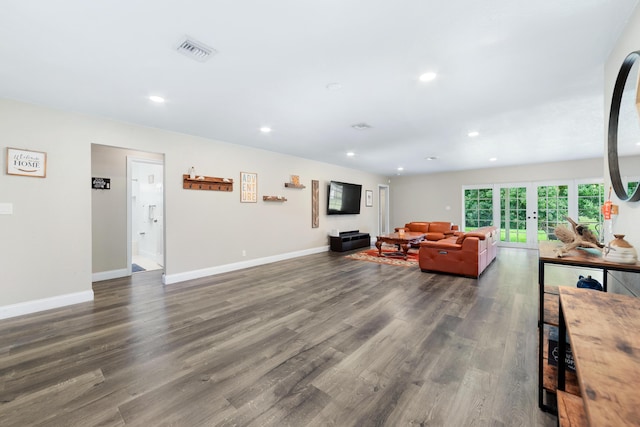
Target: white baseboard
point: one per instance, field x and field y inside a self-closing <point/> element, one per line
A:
<point x="34" y="306"/>
<point x="108" y="275"/>
<point x="170" y="279"/>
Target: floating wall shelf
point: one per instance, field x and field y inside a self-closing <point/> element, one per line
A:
<point x="292" y="185"/>
<point x="207" y="183"/>
<point x="274" y="199"/>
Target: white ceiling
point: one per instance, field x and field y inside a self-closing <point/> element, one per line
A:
<point x="528" y="75"/>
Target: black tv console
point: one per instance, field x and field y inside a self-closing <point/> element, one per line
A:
<point x="348" y="240"/>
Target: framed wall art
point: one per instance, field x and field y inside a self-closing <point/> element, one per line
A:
<point x="26" y="162"/>
<point x="369" y="198"/>
<point x="248" y="187"/>
<point x="315" y="203"/>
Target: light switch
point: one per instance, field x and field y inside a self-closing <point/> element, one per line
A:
<point x="6" y="208"/>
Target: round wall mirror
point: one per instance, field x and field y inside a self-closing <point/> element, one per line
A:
<point x="624" y="131"/>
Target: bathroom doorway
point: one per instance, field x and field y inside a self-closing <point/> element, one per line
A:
<point x="145" y="214"/>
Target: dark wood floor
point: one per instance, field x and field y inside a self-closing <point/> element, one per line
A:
<point x="319" y="340"/>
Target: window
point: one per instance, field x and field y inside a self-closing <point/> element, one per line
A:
<point x="590" y="201"/>
<point x="553" y="206"/>
<point x="478" y="208"/>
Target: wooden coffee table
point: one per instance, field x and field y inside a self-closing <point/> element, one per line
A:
<point x="404" y="241"/>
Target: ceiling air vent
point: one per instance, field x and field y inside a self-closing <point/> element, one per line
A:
<point x="196" y="50"/>
<point x="361" y="126"/>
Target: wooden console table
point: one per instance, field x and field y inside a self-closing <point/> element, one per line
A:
<point x="604" y="331"/>
<point x="549" y="310"/>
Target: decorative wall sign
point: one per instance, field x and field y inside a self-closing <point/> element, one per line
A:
<point x="101" y="183"/>
<point x="26" y="162"/>
<point x="369" y="198"/>
<point x="315" y="204"/>
<point x="248" y="187"/>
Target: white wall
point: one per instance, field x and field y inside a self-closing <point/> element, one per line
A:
<point x="47" y="243"/>
<point x="438" y="197"/>
<point x="628" y="219"/>
<point x="45" y="248"/>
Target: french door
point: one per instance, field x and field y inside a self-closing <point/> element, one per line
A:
<point x="527" y="213"/>
<point x="517" y="214"/>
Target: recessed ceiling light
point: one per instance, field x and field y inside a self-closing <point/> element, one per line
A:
<point x="265" y="129"/>
<point x="350" y="153"/>
<point x="427" y="77"/>
<point x="473" y="134"/>
<point x="493" y="159"/>
<point x="637" y="143"/>
<point x="334" y="86"/>
<point x="400" y="168"/>
<point x="156" y="98"/>
<point x="432" y="158"/>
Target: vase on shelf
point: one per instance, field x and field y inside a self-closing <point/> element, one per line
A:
<point x="620" y="251"/>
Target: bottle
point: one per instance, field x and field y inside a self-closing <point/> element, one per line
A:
<point x="192" y="173"/>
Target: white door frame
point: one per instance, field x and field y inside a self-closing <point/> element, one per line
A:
<point x="383" y="209"/>
<point x="130" y="161"/>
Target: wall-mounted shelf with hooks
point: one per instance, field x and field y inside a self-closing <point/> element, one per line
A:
<point x="274" y="199"/>
<point x="207" y="183"/>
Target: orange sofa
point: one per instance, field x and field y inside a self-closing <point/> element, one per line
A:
<point x="466" y="254"/>
<point x="434" y="230"/>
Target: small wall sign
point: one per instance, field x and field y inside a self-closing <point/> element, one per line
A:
<point x="101" y="183"/>
<point x="248" y="187"/>
<point x="26" y="162"/>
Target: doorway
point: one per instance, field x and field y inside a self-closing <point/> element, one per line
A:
<point x="145" y="218"/>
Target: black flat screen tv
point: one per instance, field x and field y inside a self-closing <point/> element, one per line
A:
<point x="343" y="198"/>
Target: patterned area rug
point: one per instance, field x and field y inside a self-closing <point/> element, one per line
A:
<point x="371" y="255"/>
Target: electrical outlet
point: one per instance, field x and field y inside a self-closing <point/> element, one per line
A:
<point x="244" y="253"/>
